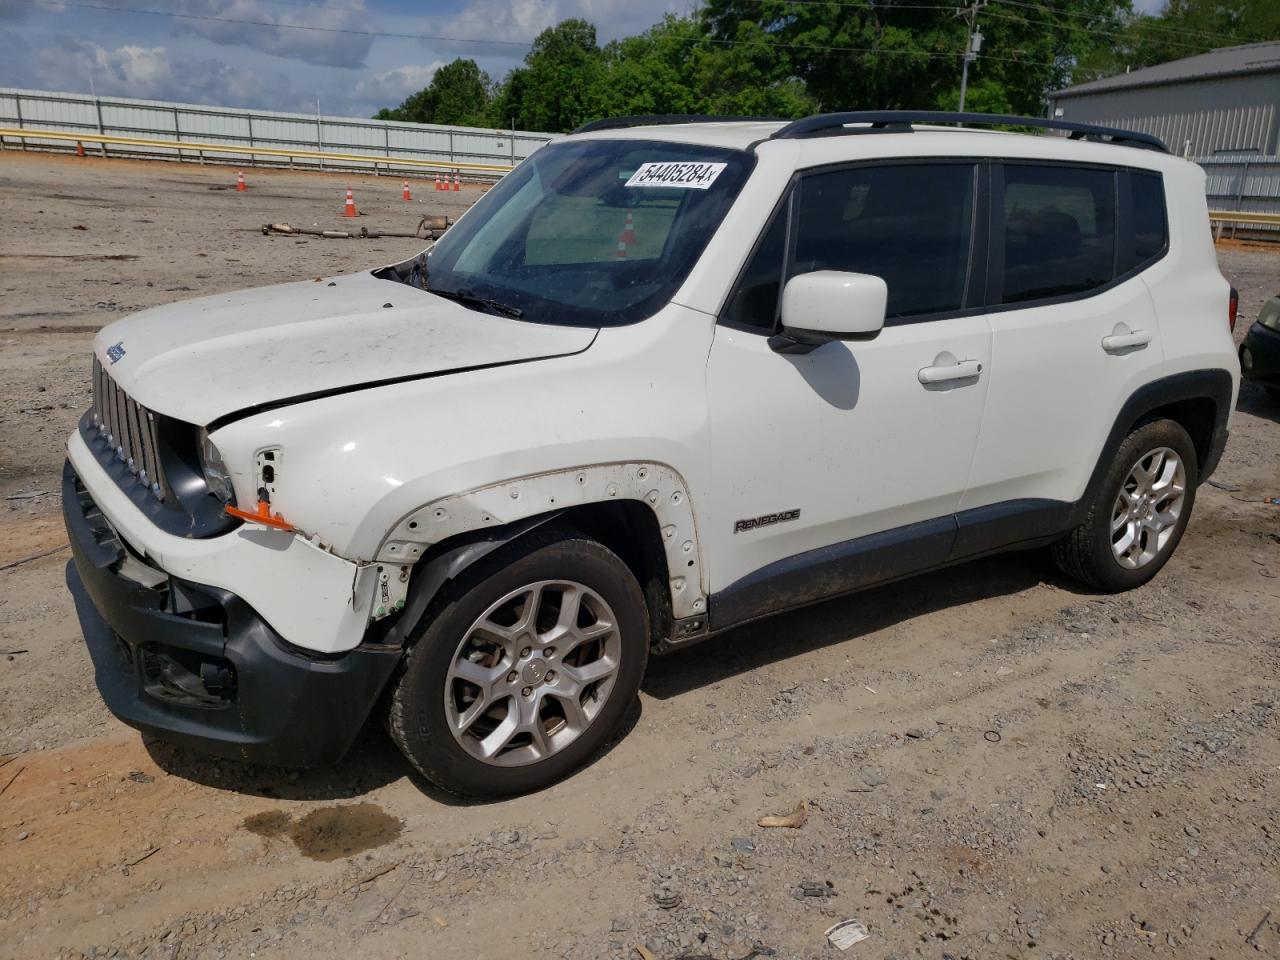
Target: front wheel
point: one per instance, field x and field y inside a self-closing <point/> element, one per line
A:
<point x="1139" y="512"/>
<point x="524" y="669"/>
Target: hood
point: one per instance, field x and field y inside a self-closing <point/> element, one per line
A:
<point x="200" y="360"/>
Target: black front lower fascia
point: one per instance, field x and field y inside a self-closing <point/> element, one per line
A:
<point x="289" y="707"/>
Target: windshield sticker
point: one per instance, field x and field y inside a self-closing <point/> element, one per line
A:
<point x="685" y="176"/>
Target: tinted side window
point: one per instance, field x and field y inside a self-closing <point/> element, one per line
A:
<point x="755" y="302"/>
<point x="908" y="224"/>
<point x="1059" y="231"/>
<point x="1150" y="230"/>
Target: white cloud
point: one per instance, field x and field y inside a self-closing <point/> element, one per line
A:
<point x="523" y="20"/>
<point x="151" y="73"/>
<point x="503" y="20"/>
<point x="267" y="64"/>
<point x="304" y="33"/>
<point x="390" y="87"/>
<point x="309" y="32"/>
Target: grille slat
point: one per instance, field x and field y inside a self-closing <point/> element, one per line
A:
<point x="117" y="416"/>
<point x="147" y="462"/>
<point x="130" y="429"/>
<point x="133" y="449"/>
<point x="163" y="489"/>
<point x="113" y="428"/>
<point x="97" y="391"/>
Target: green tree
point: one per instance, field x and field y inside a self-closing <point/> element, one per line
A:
<point x="1185" y="28"/>
<point x="673" y="67"/>
<point x="899" y="54"/>
<point x="458" y="94"/>
<point x="555" y="88"/>
<point x="650" y="72"/>
<point x="744" y="78"/>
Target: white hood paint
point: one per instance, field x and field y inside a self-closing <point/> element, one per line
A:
<point x="202" y="359"/>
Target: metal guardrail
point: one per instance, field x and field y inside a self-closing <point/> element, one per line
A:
<point x="222" y="134"/>
<point x="189" y="146"/>
<point x="1247" y="185"/>
<point x="1244" y="216"/>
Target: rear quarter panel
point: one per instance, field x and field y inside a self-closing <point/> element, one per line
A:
<point x="1187" y="288"/>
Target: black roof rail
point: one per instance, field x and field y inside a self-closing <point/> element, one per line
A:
<point x="661" y="119"/>
<point x="833" y="124"/>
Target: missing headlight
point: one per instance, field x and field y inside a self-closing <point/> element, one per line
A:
<point x="216" y="475"/>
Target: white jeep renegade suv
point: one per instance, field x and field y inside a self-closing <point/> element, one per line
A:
<point x="665" y="378"/>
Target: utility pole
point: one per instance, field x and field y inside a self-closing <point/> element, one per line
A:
<point x="972" y="44"/>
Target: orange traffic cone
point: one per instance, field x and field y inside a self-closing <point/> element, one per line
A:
<point x="626" y="238"/>
<point x="79" y="149"/>
<point x="350" y="209"/>
<point x="438" y="186"/>
<point x="240" y="187"/>
<point x="457" y="183"/>
<point x="405" y="193"/>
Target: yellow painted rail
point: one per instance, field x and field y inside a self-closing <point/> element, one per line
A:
<point x="1243" y="216"/>
<point x="194" y="146"/>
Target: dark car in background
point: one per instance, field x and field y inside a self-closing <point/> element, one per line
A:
<point x="1260" y="352"/>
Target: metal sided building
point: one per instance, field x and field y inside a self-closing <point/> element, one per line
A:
<point x="1226" y="101"/>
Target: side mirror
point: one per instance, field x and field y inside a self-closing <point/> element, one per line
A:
<point x="830" y="305"/>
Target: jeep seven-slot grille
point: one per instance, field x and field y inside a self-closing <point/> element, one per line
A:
<point x="130" y="430"/>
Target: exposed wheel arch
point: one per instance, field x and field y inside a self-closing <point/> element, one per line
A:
<point x="641" y="511"/>
<point x="627" y="527"/>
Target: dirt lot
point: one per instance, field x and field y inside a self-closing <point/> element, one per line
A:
<point x="995" y="763"/>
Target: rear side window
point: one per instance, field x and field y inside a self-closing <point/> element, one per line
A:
<point x="1150" y="228"/>
<point x="909" y="224"/>
<point x="1059" y="231"/>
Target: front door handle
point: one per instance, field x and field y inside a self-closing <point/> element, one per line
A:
<point x="1126" y="341"/>
<point x="943" y="372"/>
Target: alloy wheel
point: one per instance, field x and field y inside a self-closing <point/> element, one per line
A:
<point x="1148" y="507"/>
<point x="532" y="672"/>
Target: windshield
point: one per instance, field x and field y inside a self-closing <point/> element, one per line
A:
<point x="591" y="233"/>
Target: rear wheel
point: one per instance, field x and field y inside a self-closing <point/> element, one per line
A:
<point x="524" y="669"/>
<point x="1139" y="513"/>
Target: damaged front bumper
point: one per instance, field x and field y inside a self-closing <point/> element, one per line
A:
<point x="198" y="665"/>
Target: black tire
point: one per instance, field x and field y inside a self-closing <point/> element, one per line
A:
<point x="1085" y="553"/>
<point x="1273" y="393"/>
<point x="417" y="711"/>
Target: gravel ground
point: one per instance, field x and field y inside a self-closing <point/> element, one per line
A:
<point x="991" y="762"/>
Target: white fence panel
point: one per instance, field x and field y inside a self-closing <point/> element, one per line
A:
<point x="1244" y="182"/>
<point x="382" y="141"/>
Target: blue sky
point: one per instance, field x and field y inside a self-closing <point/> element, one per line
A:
<point x="266" y="63"/>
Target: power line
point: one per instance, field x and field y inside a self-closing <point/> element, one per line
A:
<point x="1147" y="22"/>
<point x="350" y="31"/>
<point x="1025" y="18"/>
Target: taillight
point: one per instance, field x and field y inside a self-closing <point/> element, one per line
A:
<point x="1233" y="307"/>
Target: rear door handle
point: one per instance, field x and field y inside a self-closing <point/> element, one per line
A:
<point x="961" y="370"/>
<point x="1124" y="341"/>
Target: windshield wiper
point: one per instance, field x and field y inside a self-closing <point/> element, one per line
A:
<point x="469" y="299"/>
